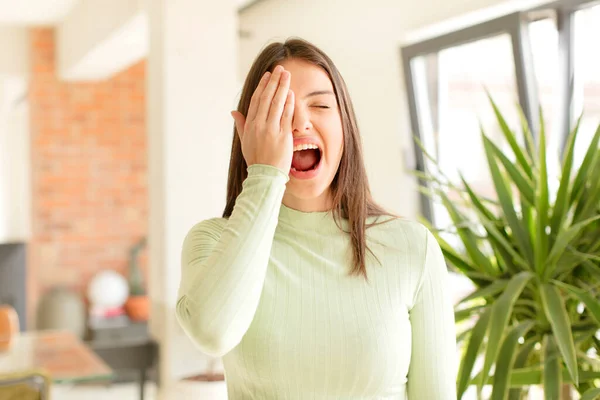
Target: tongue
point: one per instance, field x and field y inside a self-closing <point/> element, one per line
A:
<point x="304" y="160"/>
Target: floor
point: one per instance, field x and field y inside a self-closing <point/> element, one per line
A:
<point x="182" y="391"/>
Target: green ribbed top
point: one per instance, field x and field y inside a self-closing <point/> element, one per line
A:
<point x="268" y="290"/>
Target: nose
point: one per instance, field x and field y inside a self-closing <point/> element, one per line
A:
<point x="301" y="121"/>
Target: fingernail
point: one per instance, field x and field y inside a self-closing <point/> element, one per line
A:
<point x="266" y="75"/>
<point x="278" y="68"/>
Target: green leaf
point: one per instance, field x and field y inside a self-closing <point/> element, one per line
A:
<point x="468" y="238"/>
<point x="592" y="304"/>
<point x="523" y="182"/>
<point x="566" y="264"/>
<point x="519" y="377"/>
<point x="503" y="191"/>
<point x="592" y="394"/>
<point x="533" y="376"/>
<point x="490" y="290"/>
<point x="468" y="360"/>
<point x="561" y="206"/>
<point x="524" y="352"/>
<point x="498" y="239"/>
<point x="506" y="360"/>
<point x="527" y="213"/>
<point x="512" y="140"/>
<point x="552" y="372"/>
<point x="453" y="257"/>
<point x="588" y="204"/>
<point x="586" y="376"/>
<point x="479" y="279"/>
<point x="528" y="136"/>
<point x="432" y="159"/>
<point x="477" y="202"/>
<point x="588" y="160"/>
<point x="591" y="268"/>
<point x="556" y="313"/>
<point x="443" y="185"/>
<point x="461" y="315"/>
<point x="563" y="240"/>
<point x="541" y="204"/>
<point x="520" y="361"/>
<point x="526" y="376"/>
<point x="462" y="336"/>
<point x="457" y="261"/>
<point x="501" y="242"/>
<point x="501" y="311"/>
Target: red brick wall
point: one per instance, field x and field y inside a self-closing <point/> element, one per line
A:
<point x="89" y="173"/>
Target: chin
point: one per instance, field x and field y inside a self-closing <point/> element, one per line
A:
<point x="308" y="189"/>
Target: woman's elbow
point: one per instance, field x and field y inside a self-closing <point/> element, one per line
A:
<point x="210" y="342"/>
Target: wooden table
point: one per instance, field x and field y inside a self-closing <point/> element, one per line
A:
<point x="61" y="354"/>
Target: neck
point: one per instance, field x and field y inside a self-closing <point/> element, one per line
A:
<point x="324" y="202"/>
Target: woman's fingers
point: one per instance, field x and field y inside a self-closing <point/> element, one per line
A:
<point x="267" y="95"/>
<point x="255" y="100"/>
<point x="288" y="113"/>
<point x="279" y="99"/>
<point x="240" y="122"/>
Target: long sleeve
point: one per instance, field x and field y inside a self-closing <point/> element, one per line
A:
<point x="432" y="371"/>
<point x="224" y="263"/>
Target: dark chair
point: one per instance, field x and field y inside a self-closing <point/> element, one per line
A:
<point x="26" y="385"/>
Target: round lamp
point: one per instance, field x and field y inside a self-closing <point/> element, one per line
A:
<point x="108" y="289"/>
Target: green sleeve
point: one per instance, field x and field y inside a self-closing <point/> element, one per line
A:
<point x="432" y="371"/>
<point x="224" y="263"/>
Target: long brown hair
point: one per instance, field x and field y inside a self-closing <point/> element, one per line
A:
<point x="352" y="198"/>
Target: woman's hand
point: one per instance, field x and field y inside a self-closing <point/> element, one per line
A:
<point x="266" y="132"/>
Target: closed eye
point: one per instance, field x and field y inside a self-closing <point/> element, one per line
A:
<point x="319" y="106"/>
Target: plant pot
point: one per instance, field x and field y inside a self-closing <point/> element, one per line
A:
<point x="9" y="327"/>
<point x="137" y="308"/>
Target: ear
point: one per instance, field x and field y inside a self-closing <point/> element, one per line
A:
<point x="240" y="122"/>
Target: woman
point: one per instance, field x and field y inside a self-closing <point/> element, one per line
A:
<point x="285" y="286"/>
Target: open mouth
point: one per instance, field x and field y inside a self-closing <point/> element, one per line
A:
<point x="306" y="159"/>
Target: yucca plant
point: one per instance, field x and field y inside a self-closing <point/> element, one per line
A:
<point x="533" y="255"/>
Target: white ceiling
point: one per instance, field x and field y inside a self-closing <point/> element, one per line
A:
<point x="34" y="12"/>
<point x="47" y="12"/>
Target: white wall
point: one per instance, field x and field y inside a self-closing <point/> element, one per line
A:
<point x="363" y="39"/>
<point x="14" y="50"/>
<point x="15" y="191"/>
<point x="189" y="98"/>
<point x="14" y="135"/>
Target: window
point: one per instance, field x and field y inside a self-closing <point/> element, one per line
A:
<point x="526" y="59"/>
<point x="586" y="88"/>
<point x="452" y="103"/>
<point x="543" y="57"/>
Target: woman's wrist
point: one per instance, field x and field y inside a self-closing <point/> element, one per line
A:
<point x="256" y="170"/>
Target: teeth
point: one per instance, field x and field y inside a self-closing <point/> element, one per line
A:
<point x="305" y="147"/>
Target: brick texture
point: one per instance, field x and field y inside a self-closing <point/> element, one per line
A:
<point x="89" y="172"/>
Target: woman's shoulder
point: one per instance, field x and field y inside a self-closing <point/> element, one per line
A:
<point x="392" y="223"/>
<point x="212" y="227"/>
<point x="403" y="234"/>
